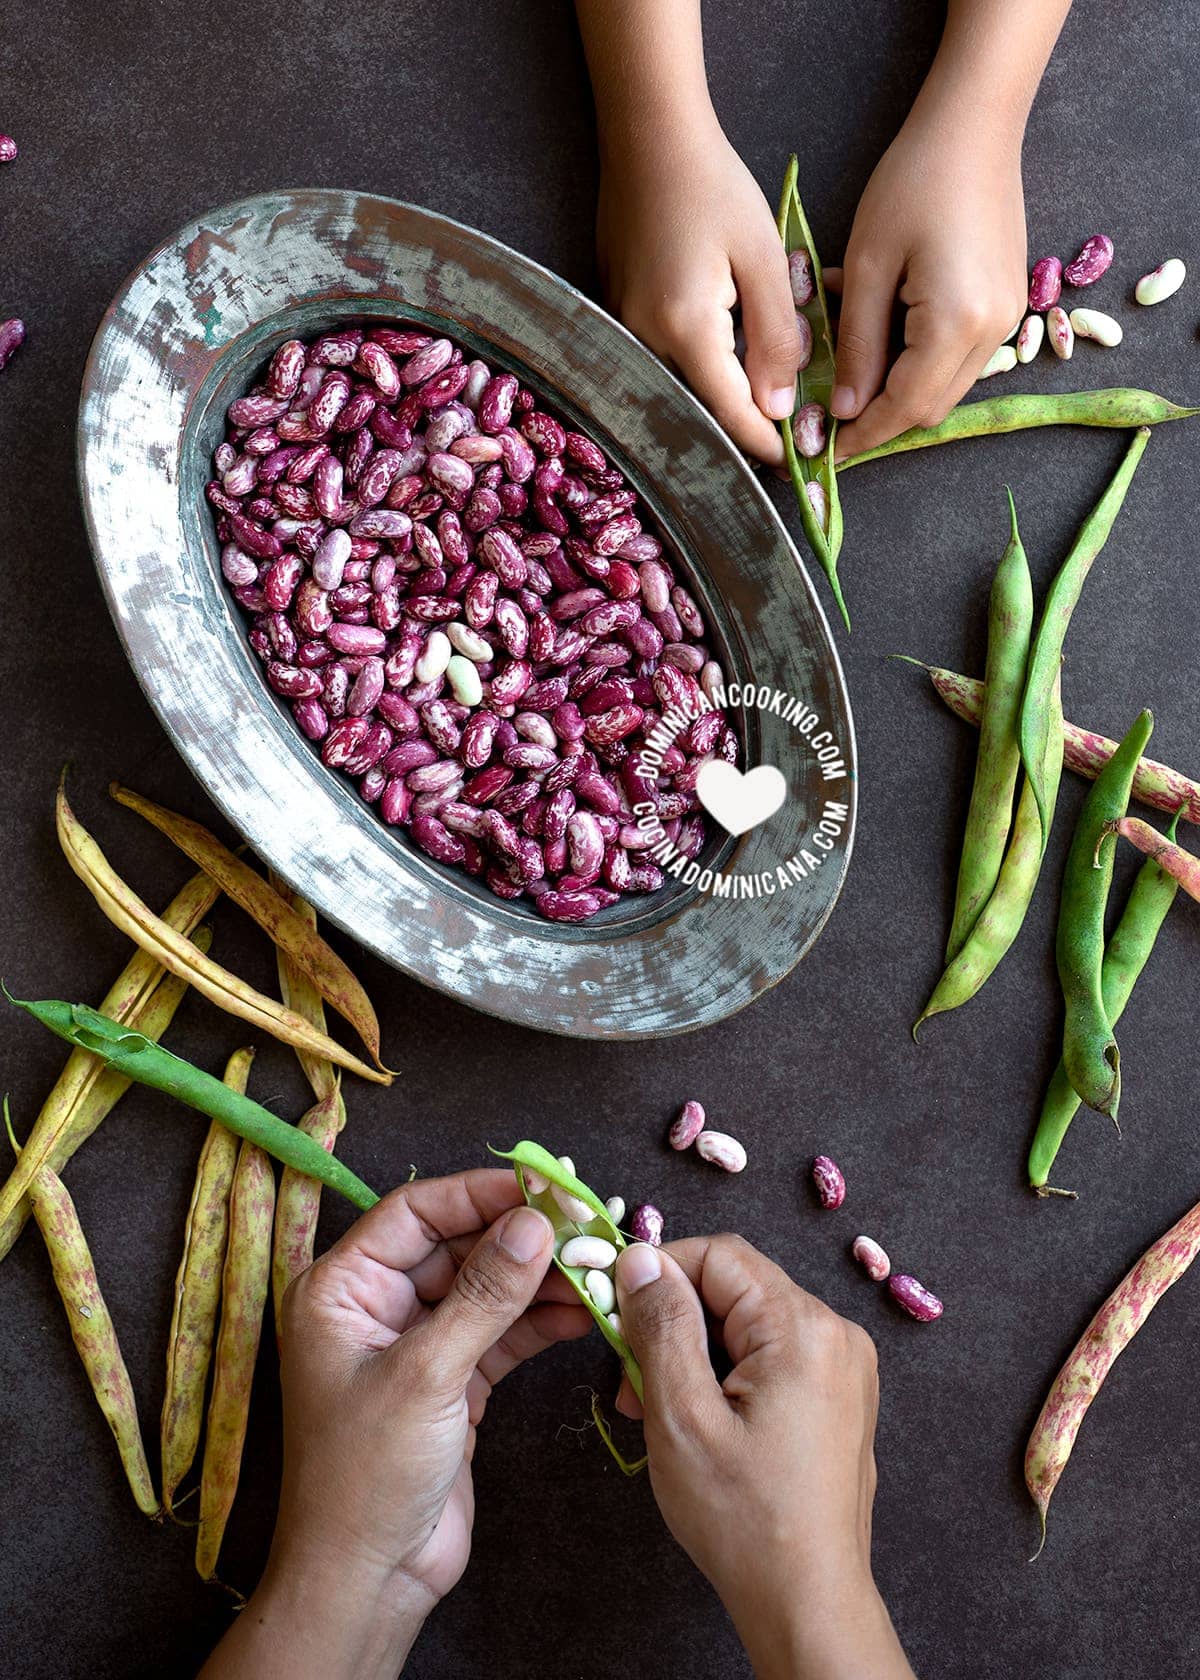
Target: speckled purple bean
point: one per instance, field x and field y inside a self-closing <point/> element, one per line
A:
<point x="917" y="1301"/>
<point x="829" y="1182"/>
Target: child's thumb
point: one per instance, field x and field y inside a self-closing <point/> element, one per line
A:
<point x="772" y="337"/>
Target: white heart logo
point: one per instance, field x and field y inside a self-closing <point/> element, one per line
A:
<point x="740" y="802"/>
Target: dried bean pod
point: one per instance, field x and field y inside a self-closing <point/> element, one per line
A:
<point x="90" y="1322"/>
<point x="198" y="1293"/>
<point x="243" y="1296"/>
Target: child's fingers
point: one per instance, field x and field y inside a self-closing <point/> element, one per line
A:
<point x="705" y="356"/>
<point x="769" y="323"/>
<point x="868" y="299"/>
<point x="938" y="364"/>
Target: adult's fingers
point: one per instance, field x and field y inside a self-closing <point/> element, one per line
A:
<point x="756" y="1306"/>
<point x="769" y="323"/>
<point x="495" y="1284"/>
<point x="868" y="300"/>
<point x="663" y="1322"/>
<point x="410" y="1222"/>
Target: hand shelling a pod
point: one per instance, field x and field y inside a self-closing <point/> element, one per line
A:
<point x="505" y="628"/>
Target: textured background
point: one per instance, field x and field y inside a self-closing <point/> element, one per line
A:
<point x="133" y="117"/>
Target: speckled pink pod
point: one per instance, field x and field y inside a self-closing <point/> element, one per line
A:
<point x="1091" y="1359"/>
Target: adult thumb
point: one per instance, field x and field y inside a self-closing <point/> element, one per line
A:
<point x="493" y="1287"/>
<point x="662" y="1319"/>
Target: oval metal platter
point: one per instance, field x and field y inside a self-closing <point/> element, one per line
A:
<point x="192" y="328"/>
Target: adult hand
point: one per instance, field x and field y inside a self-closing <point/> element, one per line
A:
<point x="392" y="1344"/>
<point x="766" y="1478"/>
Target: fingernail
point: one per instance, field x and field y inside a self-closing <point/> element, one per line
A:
<point x="843" y="404"/>
<point x="637" y="1266"/>
<point x="780" y="403"/>
<point x="523" y="1234"/>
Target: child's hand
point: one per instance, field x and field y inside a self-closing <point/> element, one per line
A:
<point x="392" y="1343"/>
<point x="767" y="1478"/>
<point x="684" y="236"/>
<point x="941" y="226"/>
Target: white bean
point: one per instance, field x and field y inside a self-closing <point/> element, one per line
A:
<point x="602" y="1291"/>
<point x="590" y="1253"/>
<point x="1003" y="360"/>
<point x="463" y="676"/>
<point x="574" y="1209"/>
<point x="1094" y="324"/>
<point x="614" y="1320"/>
<point x="535" y="1182"/>
<point x="1162" y="282"/>
<point x="722" y="1150"/>
<point x="470" y="643"/>
<point x="1029" y="340"/>
<point x="435" y="656"/>
<point x="615" y="1208"/>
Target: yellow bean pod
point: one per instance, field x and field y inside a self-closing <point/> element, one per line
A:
<point x="293" y="935"/>
<point x="87" y="1088"/>
<point x="299" y="1202"/>
<point x="198" y="1294"/>
<point x="90" y="1323"/>
<point x="127" y="911"/>
<point x="243" y="1296"/>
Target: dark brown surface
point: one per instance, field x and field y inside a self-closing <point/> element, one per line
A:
<point x="133" y="117"/>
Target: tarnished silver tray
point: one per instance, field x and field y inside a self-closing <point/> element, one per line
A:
<point x="189" y="330"/>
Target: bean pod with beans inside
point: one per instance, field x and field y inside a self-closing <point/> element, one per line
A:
<point x="1125" y="956"/>
<point x="462" y="601"/>
<point x="1090" y="1055"/>
<point x="1090" y="1361"/>
<point x="1085" y="751"/>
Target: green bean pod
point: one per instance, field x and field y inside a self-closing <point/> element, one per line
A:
<point x="244" y="1286"/>
<point x="1045" y="658"/>
<point x="149" y="1064"/>
<point x="71" y="1126"/>
<point x="536" y="1159"/>
<point x="1090" y="1053"/>
<point x="1002" y="917"/>
<point x="814" y="384"/>
<point x="989" y="818"/>
<point x="90" y="1323"/>
<point x="1125" y="956"/>
<point x="198" y="1294"/>
<point x="1119" y="408"/>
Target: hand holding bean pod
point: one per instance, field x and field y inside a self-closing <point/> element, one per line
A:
<point x="393" y="1342"/>
<point x="781" y="1448"/>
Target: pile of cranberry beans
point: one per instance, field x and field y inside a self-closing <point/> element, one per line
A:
<point x="458" y="597"/>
